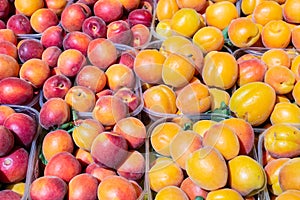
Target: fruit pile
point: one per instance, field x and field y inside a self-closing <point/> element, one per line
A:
<point x="136" y="99"/>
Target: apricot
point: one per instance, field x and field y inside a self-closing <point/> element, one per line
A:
<point x="288" y="175"/>
<point x="295" y="64"/>
<point x="177" y="71"/>
<point x="223" y="194"/>
<point x="201" y="126"/>
<point x="148" y="65"/>
<point x="295" y="93"/>
<point x="109" y="149"/>
<point x="295" y="35"/>
<point x="57" y="6"/>
<point x="72" y="16"/>
<point x="116" y="187"/>
<point x="220" y="14"/>
<point x="183" y="144"/>
<point x="9" y="49"/>
<point x="224" y="139"/>
<point x="5" y="111"/>
<point x="53" y="36"/>
<point x="243" y="32"/>
<point x="48" y="187"/>
<point x="109" y="110"/>
<point x="289" y="194"/>
<point x="83" y="186"/>
<point x="84" y="157"/>
<point x="276" y="34"/>
<point x="133" y="130"/>
<point x="50" y="56"/>
<point x="92" y="77"/>
<point x="102" y="53"/>
<point x="160" y="98"/>
<point x="42" y="19"/>
<point x="70" y="62"/>
<point x="284" y="143"/>
<point x="217" y="97"/>
<point x="185" y="22"/>
<point x="77" y="40"/>
<point x="192" y="189"/>
<point x="171" y="192"/>
<point x="9" y="67"/>
<point x="244" y="132"/>
<point x="84" y="133"/>
<point x="120" y="75"/>
<point x="248" y="6"/>
<point x="285" y="112"/>
<point x="210" y="162"/>
<point x="272" y="170"/>
<point x="99" y="172"/>
<point x="165" y="9"/>
<point x="198" y="5"/>
<point x="8" y="35"/>
<point x="251" y="104"/>
<point x="162" y="135"/>
<point x="164" y="172"/>
<point x="35" y="71"/>
<point x="276" y="57"/>
<point x="133" y="167"/>
<point x="55" y="142"/>
<point x="28" y="8"/>
<point x="209" y="38"/>
<point x="54" y="112"/>
<point x="266" y="11"/>
<point x="63" y="165"/>
<point x="80" y="98"/>
<point x="214" y="72"/>
<point x="284" y="80"/>
<point x="193" y="92"/>
<point x="249" y="178"/>
<point x="14" y="90"/>
<point x="289" y="13"/>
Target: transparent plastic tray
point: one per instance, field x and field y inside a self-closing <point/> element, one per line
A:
<point x="156" y="44"/>
<point x="137" y="89"/>
<point x="151" y="154"/>
<point x="38" y="164"/>
<point x="258" y="51"/>
<point x="33" y="153"/>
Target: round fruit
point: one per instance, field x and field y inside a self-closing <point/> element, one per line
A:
<point x="253" y="102"/>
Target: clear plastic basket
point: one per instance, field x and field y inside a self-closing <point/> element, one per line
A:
<point x="151" y="154"/>
<point x="33" y="153"/>
<point x="137" y="89"/>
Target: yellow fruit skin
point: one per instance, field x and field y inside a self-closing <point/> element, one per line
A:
<point x="212" y="165"/>
<point x="248" y="178"/>
<point x="282" y="140"/>
<point x="253" y="102"/>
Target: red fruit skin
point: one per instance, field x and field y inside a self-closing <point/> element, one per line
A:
<point x="140" y="16"/>
<point x="7" y="141"/>
<point x="13" y="167"/>
<point x="15" y="91"/>
<point x="48" y="188"/>
<point x="23" y="126"/>
<point x="9" y="195"/>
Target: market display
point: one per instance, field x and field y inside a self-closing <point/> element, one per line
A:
<point x="149" y="99"/>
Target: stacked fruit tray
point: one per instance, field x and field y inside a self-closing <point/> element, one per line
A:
<point x="146" y="99"/>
